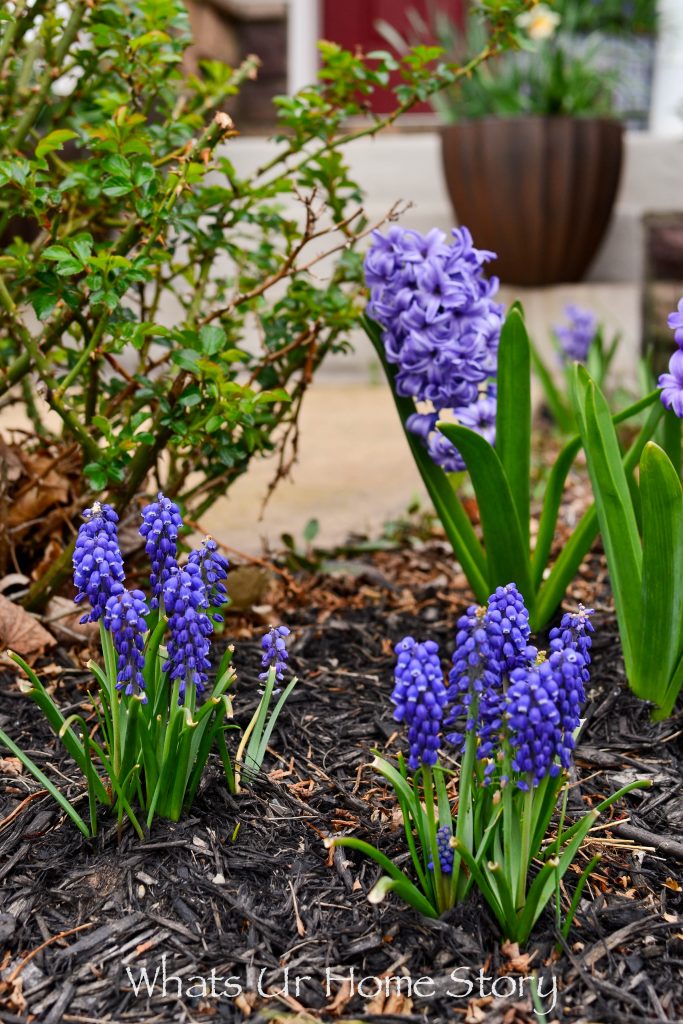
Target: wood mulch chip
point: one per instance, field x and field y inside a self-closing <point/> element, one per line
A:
<point x="243" y="895"/>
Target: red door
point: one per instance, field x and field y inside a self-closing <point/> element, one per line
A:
<point x="352" y="23"/>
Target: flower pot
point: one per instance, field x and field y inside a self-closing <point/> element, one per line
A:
<point x="538" y="191"/>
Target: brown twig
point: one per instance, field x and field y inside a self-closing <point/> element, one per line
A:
<point x="48" y="942"/>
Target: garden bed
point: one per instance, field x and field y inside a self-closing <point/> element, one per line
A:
<point x="245" y="888"/>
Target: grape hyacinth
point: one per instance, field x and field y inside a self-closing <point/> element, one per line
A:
<point x="190" y="627"/>
<point x="576" y="338"/>
<point x="214" y="570"/>
<point x="444" y="839"/>
<point x="124" y="618"/>
<point x="97" y="560"/>
<point x="274" y="653"/>
<point x="161" y="521"/>
<point x="440" y="328"/>
<point x="420" y="696"/>
<point x="671" y="383"/>
<point x="531" y="718"/>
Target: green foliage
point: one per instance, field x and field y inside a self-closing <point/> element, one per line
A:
<point x="642" y="530"/>
<point x="600" y="356"/>
<point x="501" y="478"/>
<point x="149" y="756"/>
<point x="549" y="76"/>
<point x="159" y="297"/>
<point x="620" y="16"/>
<point x="497" y="837"/>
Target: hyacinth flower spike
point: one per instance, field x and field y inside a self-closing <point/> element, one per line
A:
<point x="158" y="715"/>
<point x="510" y="713"/>
<point x="254" y="742"/>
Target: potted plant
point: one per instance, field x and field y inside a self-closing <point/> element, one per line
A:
<point x="532" y="153"/>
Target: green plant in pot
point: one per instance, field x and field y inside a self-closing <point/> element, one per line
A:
<point x="532" y="152"/>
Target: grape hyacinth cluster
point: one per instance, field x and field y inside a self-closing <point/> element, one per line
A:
<point x="671" y="383"/>
<point x="576" y="337"/>
<point x="440" y="328"/>
<point x="213" y="567"/>
<point x="274" y="653"/>
<point x="97" y="560"/>
<point x="190" y="627"/>
<point x="125" y="618"/>
<point x="420" y="697"/>
<point x="161" y="521"/>
<point x="444" y="841"/>
<point x="522" y="705"/>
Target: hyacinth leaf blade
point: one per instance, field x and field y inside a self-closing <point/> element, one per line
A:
<point x="662" y="589"/>
<point x="506" y="553"/>
<point x="618" y="523"/>
<point x="56" y="719"/>
<point x="548" y="877"/>
<point x="40" y="776"/>
<point x="447" y="505"/>
<point x="552" y="501"/>
<point x="559" y="408"/>
<point x="577" y="547"/>
<point x="405" y="889"/>
<point x="513" y="415"/>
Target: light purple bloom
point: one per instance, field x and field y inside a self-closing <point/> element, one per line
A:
<point x="576" y="338"/>
<point x="675" y="322"/>
<point x="671" y="384"/>
<point x="441" y="327"/>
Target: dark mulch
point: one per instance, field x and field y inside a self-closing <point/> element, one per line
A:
<point x="245" y="888"/>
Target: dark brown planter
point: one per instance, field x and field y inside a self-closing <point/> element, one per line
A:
<point x="538" y="191"/>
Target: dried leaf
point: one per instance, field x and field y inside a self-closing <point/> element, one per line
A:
<point x="516" y="961"/>
<point x="11" y="766"/>
<point x="22" y="632"/>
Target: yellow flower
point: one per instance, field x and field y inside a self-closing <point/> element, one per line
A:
<point x="539" y="23"/>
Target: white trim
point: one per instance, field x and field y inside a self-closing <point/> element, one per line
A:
<point x="303" y="31"/>
<point x="667" y="91"/>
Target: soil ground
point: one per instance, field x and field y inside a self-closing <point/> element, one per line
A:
<point x="245" y="888"/>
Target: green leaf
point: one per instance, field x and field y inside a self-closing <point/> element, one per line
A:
<point x="615" y="509"/>
<point x="149" y="39"/>
<point x="513" y="416"/>
<point x="662" y="583"/>
<point x="45" y="782"/>
<point x="55" y="140"/>
<point x="212" y="339"/>
<point x="97" y="476"/>
<point x="43" y="301"/>
<point x="506" y="552"/>
<point x="448" y="507"/>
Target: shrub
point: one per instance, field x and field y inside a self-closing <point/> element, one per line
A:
<point x="118" y="196"/>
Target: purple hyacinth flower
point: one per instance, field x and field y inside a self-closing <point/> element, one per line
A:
<point x="576" y="338"/>
<point x="675" y="322"/>
<point x="274" y="653"/>
<point x="440" y="323"/>
<point x="161" y="521"/>
<point x="190" y="627"/>
<point x="510" y="697"/>
<point x="124" y="618"/>
<point x="671" y="384"/>
<point x="214" y="570"/>
<point x="420" y="696"/>
<point x="444" y="835"/>
<point x="97" y="560"/>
